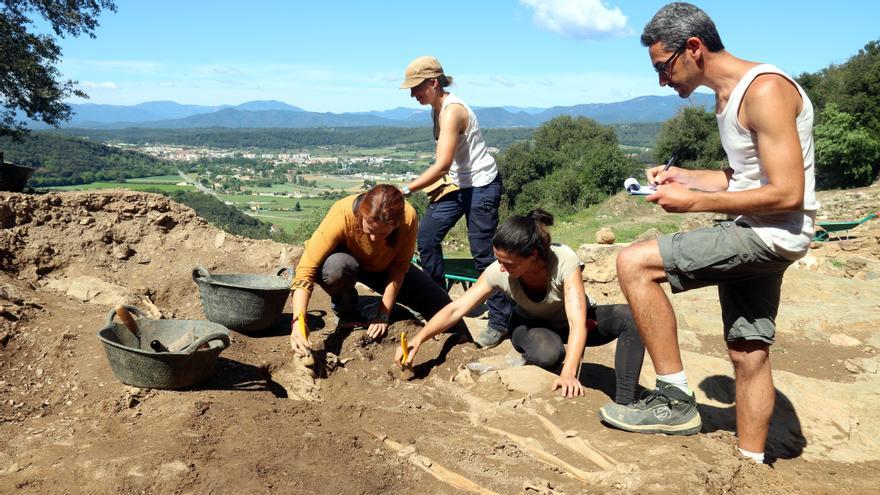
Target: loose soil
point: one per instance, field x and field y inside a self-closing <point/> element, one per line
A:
<point x="263" y="424"/>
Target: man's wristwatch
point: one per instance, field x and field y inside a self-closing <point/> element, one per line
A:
<point x="405" y="190"/>
<point x="383" y="317"/>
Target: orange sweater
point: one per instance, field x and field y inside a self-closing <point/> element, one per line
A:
<point x="338" y="232"/>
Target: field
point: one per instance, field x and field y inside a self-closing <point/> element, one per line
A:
<point x="132" y="184"/>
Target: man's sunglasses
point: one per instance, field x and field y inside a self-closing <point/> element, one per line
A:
<point x="662" y="67"/>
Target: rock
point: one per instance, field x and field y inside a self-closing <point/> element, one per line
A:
<point x="91" y="289"/>
<point x="869" y="365"/>
<point x="604" y="236"/>
<point x="527" y="379"/>
<point x="648" y="235"/>
<point x="852" y="366"/>
<point x="122" y="252"/>
<point x="849" y="246"/>
<point x="844" y="340"/>
<point x="11" y="294"/>
<point x="219" y="239"/>
<point x="808" y="263"/>
<point x="600" y="262"/>
<point x="165" y="222"/>
<point x="7" y="216"/>
<point x="463" y="377"/>
<point x="86" y="221"/>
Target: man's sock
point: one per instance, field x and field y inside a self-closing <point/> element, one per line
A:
<point x="755" y="456"/>
<point x="678" y="379"/>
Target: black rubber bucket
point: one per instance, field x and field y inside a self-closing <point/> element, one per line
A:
<point x="243" y="302"/>
<point x="14" y="177"/>
<point x="135" y="363"/>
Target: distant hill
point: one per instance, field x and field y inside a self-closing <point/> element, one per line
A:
<point x="270" y="113"/>
<point x="258" y="105"/>
<point x="62" y="160"/>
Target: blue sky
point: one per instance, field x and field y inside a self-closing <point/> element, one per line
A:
<point x="338" y="56"/>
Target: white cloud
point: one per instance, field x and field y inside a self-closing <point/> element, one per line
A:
<point x="579" y="19"/>
<point x="99" y="85"/>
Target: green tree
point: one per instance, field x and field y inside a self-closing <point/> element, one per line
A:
<point x="572" y="163"/>
<point x="297" y="207"/>
<point x="847" y="155"/>
<point x="30" y="81"/>
<point x="692" y="136"/>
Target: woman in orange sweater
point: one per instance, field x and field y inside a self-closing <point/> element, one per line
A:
<point x="368" y="238"/>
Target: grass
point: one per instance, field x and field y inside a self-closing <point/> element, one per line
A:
<point x="626" y="216"/>
<point x="157" y="179"/>
<point x="334" y="183"/>
<point x="133" y="186"/>
<point x="273" y="202"/>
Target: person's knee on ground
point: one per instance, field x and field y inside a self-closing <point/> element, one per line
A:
<point x="541" y="347"/>
<point x="338" y="277"/>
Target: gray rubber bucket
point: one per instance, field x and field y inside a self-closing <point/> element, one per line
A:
<point x="243" y="302"/>
<point x="135" y="363"/>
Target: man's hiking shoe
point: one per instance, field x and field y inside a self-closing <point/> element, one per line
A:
<point x="665" y="409"/>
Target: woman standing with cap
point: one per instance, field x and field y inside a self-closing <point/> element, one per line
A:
<point x="463" y="180"/>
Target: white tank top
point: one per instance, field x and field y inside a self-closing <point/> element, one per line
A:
<point x="789" y="233"/>
<point x="472" y="165"/>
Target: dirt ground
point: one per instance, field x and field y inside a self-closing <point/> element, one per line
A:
<point x="262" y="424"/>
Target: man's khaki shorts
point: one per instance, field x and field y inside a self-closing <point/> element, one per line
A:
<point x="747" y="272"/>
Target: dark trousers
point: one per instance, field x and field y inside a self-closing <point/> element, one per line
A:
<point x="340" y="271"/>
<point x="479" y="205"/>
<point x="543" y="346"/>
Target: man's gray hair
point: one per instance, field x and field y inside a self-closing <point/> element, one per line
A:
<point x="675" y="23"/>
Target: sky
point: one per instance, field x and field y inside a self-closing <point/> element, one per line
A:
<point x="349" y="56"/>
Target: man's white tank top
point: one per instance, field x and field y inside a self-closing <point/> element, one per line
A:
<point x="789" y="233"/>
<point x="472" y="165"/>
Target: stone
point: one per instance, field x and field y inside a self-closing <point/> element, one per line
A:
<point x="86" y="221"/>
<point x="91" y="289"/>
<point x="605" y="236"/>
<point x="219" y="239"/>
<point x="852" y="366"/>
<point x="844" y="340"/>
<point x="122" y="252"/>
<point x="527" y="379"/>
<point x="808" y="263"/>
<point x="648" y="235"/>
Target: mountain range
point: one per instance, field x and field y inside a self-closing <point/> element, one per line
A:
<point x="276" y="114"/>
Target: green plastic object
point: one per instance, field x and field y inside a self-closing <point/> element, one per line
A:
<point x="826" y="228"/>
<point x="457" y="271"/>
<point x="135" y="363"/>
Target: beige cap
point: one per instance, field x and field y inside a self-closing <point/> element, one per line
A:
<point x="420" y="69"/>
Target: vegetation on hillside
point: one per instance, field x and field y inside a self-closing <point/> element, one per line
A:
<point x="569" y="164"/>
<point x="417" y="139"/>
<point x="846" y="99"/>
<point x="62" y="160"/>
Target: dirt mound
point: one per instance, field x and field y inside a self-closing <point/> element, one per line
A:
<point x="264" y="424"/>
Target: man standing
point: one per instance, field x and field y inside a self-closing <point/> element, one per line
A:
<point x="765" y="120"/>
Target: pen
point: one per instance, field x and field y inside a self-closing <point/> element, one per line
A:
<point x="666" y="167"/>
